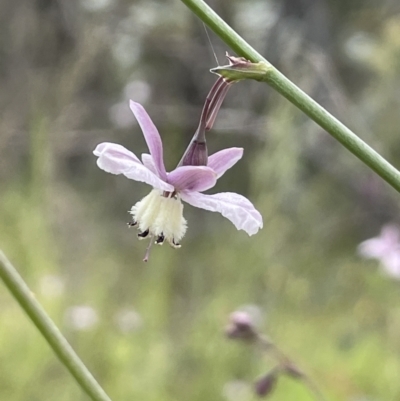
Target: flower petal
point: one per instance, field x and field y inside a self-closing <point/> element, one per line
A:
<point x="192" y="178"/>
<point x="391" y="264"/>
<point x="372" y="248"/>
<point x="378" y="247"/>
<point x="116" y="159"/>
<point x="236" y="208"/>
<point x="151" y="136"/>
<point x="224" y="160"/>
<point x="148" y="161"/>
<point x="116" y="151"/>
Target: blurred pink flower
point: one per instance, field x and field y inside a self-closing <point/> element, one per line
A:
<point x="160" y="214"/>
<point x="243" y="323"/>
<point x="384" y="248"/>
<point x="81" y="317"/>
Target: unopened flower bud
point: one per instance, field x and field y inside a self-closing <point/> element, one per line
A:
<point x="196" y="154"/>
<point x="266" y="384"/>
<point x="241" y="326"/>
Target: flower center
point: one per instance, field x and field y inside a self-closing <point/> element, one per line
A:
<point x="161" y="216"/>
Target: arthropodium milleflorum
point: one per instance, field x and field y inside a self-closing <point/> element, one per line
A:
<point x="159" y="215"/>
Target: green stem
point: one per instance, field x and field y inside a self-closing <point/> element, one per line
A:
<point x="296" y="96"/>
<point x="49" y="330"/>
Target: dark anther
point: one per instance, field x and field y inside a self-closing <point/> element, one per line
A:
<point x="144" y="234"/>
<point x="167" y="194"/>
<point x="132" y="223"/>
<point x="176" y="244"/>
<point x="160" y="239"/>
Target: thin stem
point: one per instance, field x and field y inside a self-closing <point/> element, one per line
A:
<point x="284" y="361"/>
<point x="49" y="330"/>
<point x="296" y="96"/>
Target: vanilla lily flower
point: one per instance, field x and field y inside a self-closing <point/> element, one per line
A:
<point x="160" y="213"/>
<point x="385" y="248"/>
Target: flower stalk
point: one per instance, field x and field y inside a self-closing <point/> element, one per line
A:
<point x="286" y="366"/>
<point x="295" y="95"/>
<point x="242" y="327"/>
<point x="49" y="330"/>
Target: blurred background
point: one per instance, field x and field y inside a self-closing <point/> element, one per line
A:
<point x="156" y="331"/>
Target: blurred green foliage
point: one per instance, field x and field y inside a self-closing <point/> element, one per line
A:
<point x="155" y="331"/>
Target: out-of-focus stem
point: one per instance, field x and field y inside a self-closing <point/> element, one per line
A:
<point x="284" y="362"/>
<point x="49" y="330"/>
<point x="296" y="96"/>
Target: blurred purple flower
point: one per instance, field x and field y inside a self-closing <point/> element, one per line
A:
<point x="241" y="326"/>
<point x="160" y="214"/>
<point x="265" y="385"/>
<point x="384" y="248"/>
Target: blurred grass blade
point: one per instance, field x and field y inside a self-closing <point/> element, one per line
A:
<point x="49" y="330"/>
<point x="295" y="95"/>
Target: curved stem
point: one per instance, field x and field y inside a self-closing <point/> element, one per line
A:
<point x="296" y="96"/>
<point x="49" y="330"/>
<point x="284" y="362"/>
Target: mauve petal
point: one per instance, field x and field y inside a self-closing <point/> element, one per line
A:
<point x="192" y="178"/>
<point x="390" y="234"/>
<point x="391" y="264"/>
<point x="373" y="248"/>
<point x="148" y="161"/>
<point x="116" y="151"/>
<point x="224" y="160"/>
<point x="151" y="136"/>
<point x="116" y="159"/>
<point x="236" y="208"/>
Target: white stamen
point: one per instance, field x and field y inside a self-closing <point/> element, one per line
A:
<point x="161" y="216"/>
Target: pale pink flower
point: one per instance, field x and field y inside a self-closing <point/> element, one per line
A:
<point x="160" y="214"/>
<point x="384" y="248"/>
